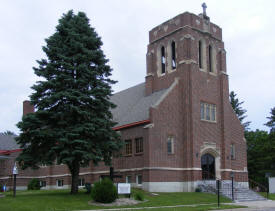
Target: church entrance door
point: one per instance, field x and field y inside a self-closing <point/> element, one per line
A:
<point x="208" y="167"/>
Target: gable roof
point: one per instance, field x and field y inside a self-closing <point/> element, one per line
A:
<point x="7" y="142"/>
<point x="133" y="105"/>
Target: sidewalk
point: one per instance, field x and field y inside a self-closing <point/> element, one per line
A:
<point x="162" y="207"/>
<point x="267" y="205"/>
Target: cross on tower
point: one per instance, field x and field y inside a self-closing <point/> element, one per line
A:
<point x="204" y="8"/>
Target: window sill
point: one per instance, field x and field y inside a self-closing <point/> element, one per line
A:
<point x="172" y="70"/>
<point x="202" y="70"/>
<point x="213" y="73"/>
<point x="209" y="121"/>
<point x="139" y="154"/>
<point x="161" y="74"/>
<point x="130" y="155"/>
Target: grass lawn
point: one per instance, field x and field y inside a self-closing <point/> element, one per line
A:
<point x="61" y="200"/>
<point x="271" y="196"/>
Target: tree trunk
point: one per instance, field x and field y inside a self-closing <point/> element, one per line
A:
<point x="74" y="168"/>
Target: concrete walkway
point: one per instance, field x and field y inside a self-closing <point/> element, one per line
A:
<point x="142" y="208"/>
<point x="267" y="205"/>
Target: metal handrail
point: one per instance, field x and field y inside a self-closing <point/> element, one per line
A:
<point x="225" y="186"/>
<point x="259" y="185"/>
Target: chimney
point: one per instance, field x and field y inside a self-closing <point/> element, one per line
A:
<point x="27" y="107"/>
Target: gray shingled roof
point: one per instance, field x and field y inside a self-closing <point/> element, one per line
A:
<point x="7" y="142"/>
<point x="133" y="105"/>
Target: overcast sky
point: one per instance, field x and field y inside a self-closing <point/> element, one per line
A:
<point x="248" y="33"/>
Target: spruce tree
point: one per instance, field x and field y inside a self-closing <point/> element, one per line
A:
<point x="271" y="122"/>
<point x="73" y="123"/>
<point x="240" y="112"/>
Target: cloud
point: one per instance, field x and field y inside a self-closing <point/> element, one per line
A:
<point x="248" y="33"/>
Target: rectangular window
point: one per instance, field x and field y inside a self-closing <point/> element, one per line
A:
<point x="139" y="179"/>
<point x="81" y="182"/>
<point x="59" y="183"/>
<point x="232" y="152"/>
<point x="202" y="111"/>
<point x="170" y="145"/>
<point x="128" y="179"/>
<point x="163" y="62"/>
<point x="173" y="46"/>
<point x="139" y="145"/>
<point x="208" y="112"/>
<point x="128" y="147"/>
<point x="213" y="113"/>
<point x="42" y="183"/>
<point x="210" y="58"/>
<point x="200" y="54"/>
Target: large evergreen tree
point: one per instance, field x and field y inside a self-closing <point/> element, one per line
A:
<point x="8" y="132"/>
<point x="73" y="122"/>
<point x="240" y="112"/>
<point x="271" y="122"/>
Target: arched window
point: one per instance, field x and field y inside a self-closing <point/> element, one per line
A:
<point x="173" y="58"/>
<point x="200" y="54"/>
<point x="210" y="58"/>
<point x="162" y="60"/>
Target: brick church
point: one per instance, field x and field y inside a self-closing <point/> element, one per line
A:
<point x="178" y="126"/>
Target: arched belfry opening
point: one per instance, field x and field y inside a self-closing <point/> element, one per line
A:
<point x="208" y="167"/>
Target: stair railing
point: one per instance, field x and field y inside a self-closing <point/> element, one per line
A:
<point x="262" y="188"/>
<point x="225" y="186"/>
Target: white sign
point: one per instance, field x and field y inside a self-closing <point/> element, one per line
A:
<point x="15" y="171"/>
<point x="271" y="184"/>
<point x="124" y="188"/>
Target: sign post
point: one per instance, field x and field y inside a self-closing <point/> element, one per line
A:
<point x="232" y="183"/>
<point x="14" y="172"/>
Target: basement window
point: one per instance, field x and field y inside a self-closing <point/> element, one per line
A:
<point x="81" y="182"/>
<point x="42" y="184"/>
<point x="128" y="179"/>
<point x="139" y="179"/>
<point x="59" y="183"/>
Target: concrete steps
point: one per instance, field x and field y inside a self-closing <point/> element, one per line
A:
<point x="241" y="194"/>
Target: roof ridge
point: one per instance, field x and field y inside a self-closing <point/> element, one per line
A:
<point x="128" y="88"/>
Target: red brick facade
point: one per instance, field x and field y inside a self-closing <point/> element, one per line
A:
<point x="176" y="115"/>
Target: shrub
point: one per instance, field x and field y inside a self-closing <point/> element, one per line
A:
<point x="139" y="196"/>
<point x="34" y="184"/>
<point x="198" y="190"/>
<point x="104" y="191"/>
<point x="88" y="187"/>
